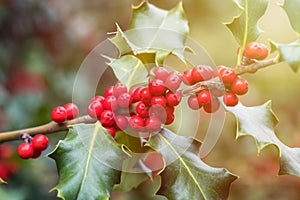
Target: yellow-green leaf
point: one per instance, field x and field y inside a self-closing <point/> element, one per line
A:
<point x="292" y="8"/>
<point x="259" y="122"/>
<point x="186" y="176"/>
<point x="87" y="161"/>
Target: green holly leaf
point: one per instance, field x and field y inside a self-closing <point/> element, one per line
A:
<point x="147" y="190"/>
<point x="129" y="70"/>
<point x="85" y="161"/>
<point x="259" y="122"/>
<point x="186" y="176"/>
<point x="155" y="31"/>
<point x="244" y="26"/>
<point x="289" y="53"/>
<point x="292" y="10"/>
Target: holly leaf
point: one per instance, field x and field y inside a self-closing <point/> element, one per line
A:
<point x="289" y="53"/>
<point x="259" y="122"/>
<point x="154" y="30"/>
<point x="292" y="10"/>
<point x="87" y="160"/>
<point x="2" y="181"/>
<point x="244" y="26"/>
<point x="186" y="176"/>
<point x="129" y="70"/>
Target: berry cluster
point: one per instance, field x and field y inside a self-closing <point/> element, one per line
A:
<point x="8" y="166"/>
<point x="33" y="147"/>
<point x="60" y="114"/>
<point x="207" y="97"/>
<point x="143" y="109"/>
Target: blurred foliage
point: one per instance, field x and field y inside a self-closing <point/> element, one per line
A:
<point x="42" y="44"/>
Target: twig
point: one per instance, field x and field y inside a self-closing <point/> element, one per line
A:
<point x="48" y="128"/>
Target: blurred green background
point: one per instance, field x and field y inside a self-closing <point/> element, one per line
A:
<point x="42" y="44"/>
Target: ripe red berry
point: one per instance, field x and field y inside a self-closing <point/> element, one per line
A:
<point x="135" y="93"/>
<point x="187" y="77"/>
<point x="170" y="110"/>
<point x="255" y="50"/>
<point x="158" y="111"/>
<point x="145" y="95"/>
<point x="173" y="99"/>
<point x="239" y="86"/>
<point x="157" y="87"/>
<point x="36" y="153"/>
<point x="142" y="109"/>
<point x="212" y="107"/>
<point x="153" y="124"/>
<point x="121" y="122"/>
<point x="111" y="130"/>
<point x="25" y="150"/>
<point x="98" y="98"/>
<point x="109" y="91"/>
<point x="72" y="110"/>
<point x="40" y="142"/>
<point x="173" y="81"/>
<point x="107" y="118"/>
<point x="204" y="98"/>
<point x="227" y="75"/>
<point x="59" y="114"/>
<point x="161" y="100"/>
<point x="161" y="73"/>
<point x="95" y="109"/>
<point x="193" y="102"/>
<point x="119" y="89"/>
<point x="137" y="123"/>
<point x="201" y="73"/>
<point x="230" y="99"/>
<point x="110" y="103"/>
<point x="124" y="100"/>
<point x="170" y="119"/>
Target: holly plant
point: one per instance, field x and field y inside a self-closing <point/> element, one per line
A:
<point x="125" y="144"/>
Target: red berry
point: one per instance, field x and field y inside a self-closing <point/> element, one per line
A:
<point x="202" y="73"/>
<point x="145" y="95"/>
<point x="188" y="77"/>
<point x="170" y="119"/>
<point x="159" y="111"/>
<point x="153" y="124"/>
<point x="157" y="87"/>
<point x="107" y="118"/>
<point x="137" y="123"/>
<point x="170" y="110"/>
<point x="142" y="109"/>
<point x="40" y="142"/>
<point x="173" y="99"/>
<point x="135" y="93"/>
<point x="37" y="153"/>
<point x="25" y="150"/>
<point x="193" y="102"/>
<point x="59" y="114"/>
<point x="110" y="103"/>
<point x="98" y="98"/>
<point x="212" y="107"/>
<point x="161" y="100"/>
<point x="6" y="151"/>
<point x="227" y="75"/>
<point x="239" y="86"/>
<point x="255" y="50"/>
<point x="173" y="81"/>
<point x="124" y="100"/>
<point x="109" y="91"/>
<point x="72" y="110"/>
<point x="204" y="98"/>
<point x="230" y="99"/>
<point x="121" y="122"/>
<point x="95" y="109"/>
<point x="111" y="130"/>
<point x="161" y="73"/>
<point x="119" y="89"/>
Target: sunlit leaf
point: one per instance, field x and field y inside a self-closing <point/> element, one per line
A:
<point x="129" y="70"/>
<point x="292" y="10"/>
<point x="85" y="161"/>
<point x="2" y="181"/>
<point x="289" y="53"/>
<point x="259" y="122"/>
<point x="186" y="176"/>
<point x="244" y="26"/>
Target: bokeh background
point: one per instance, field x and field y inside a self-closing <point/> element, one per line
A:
<point x="43" y="43"/>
